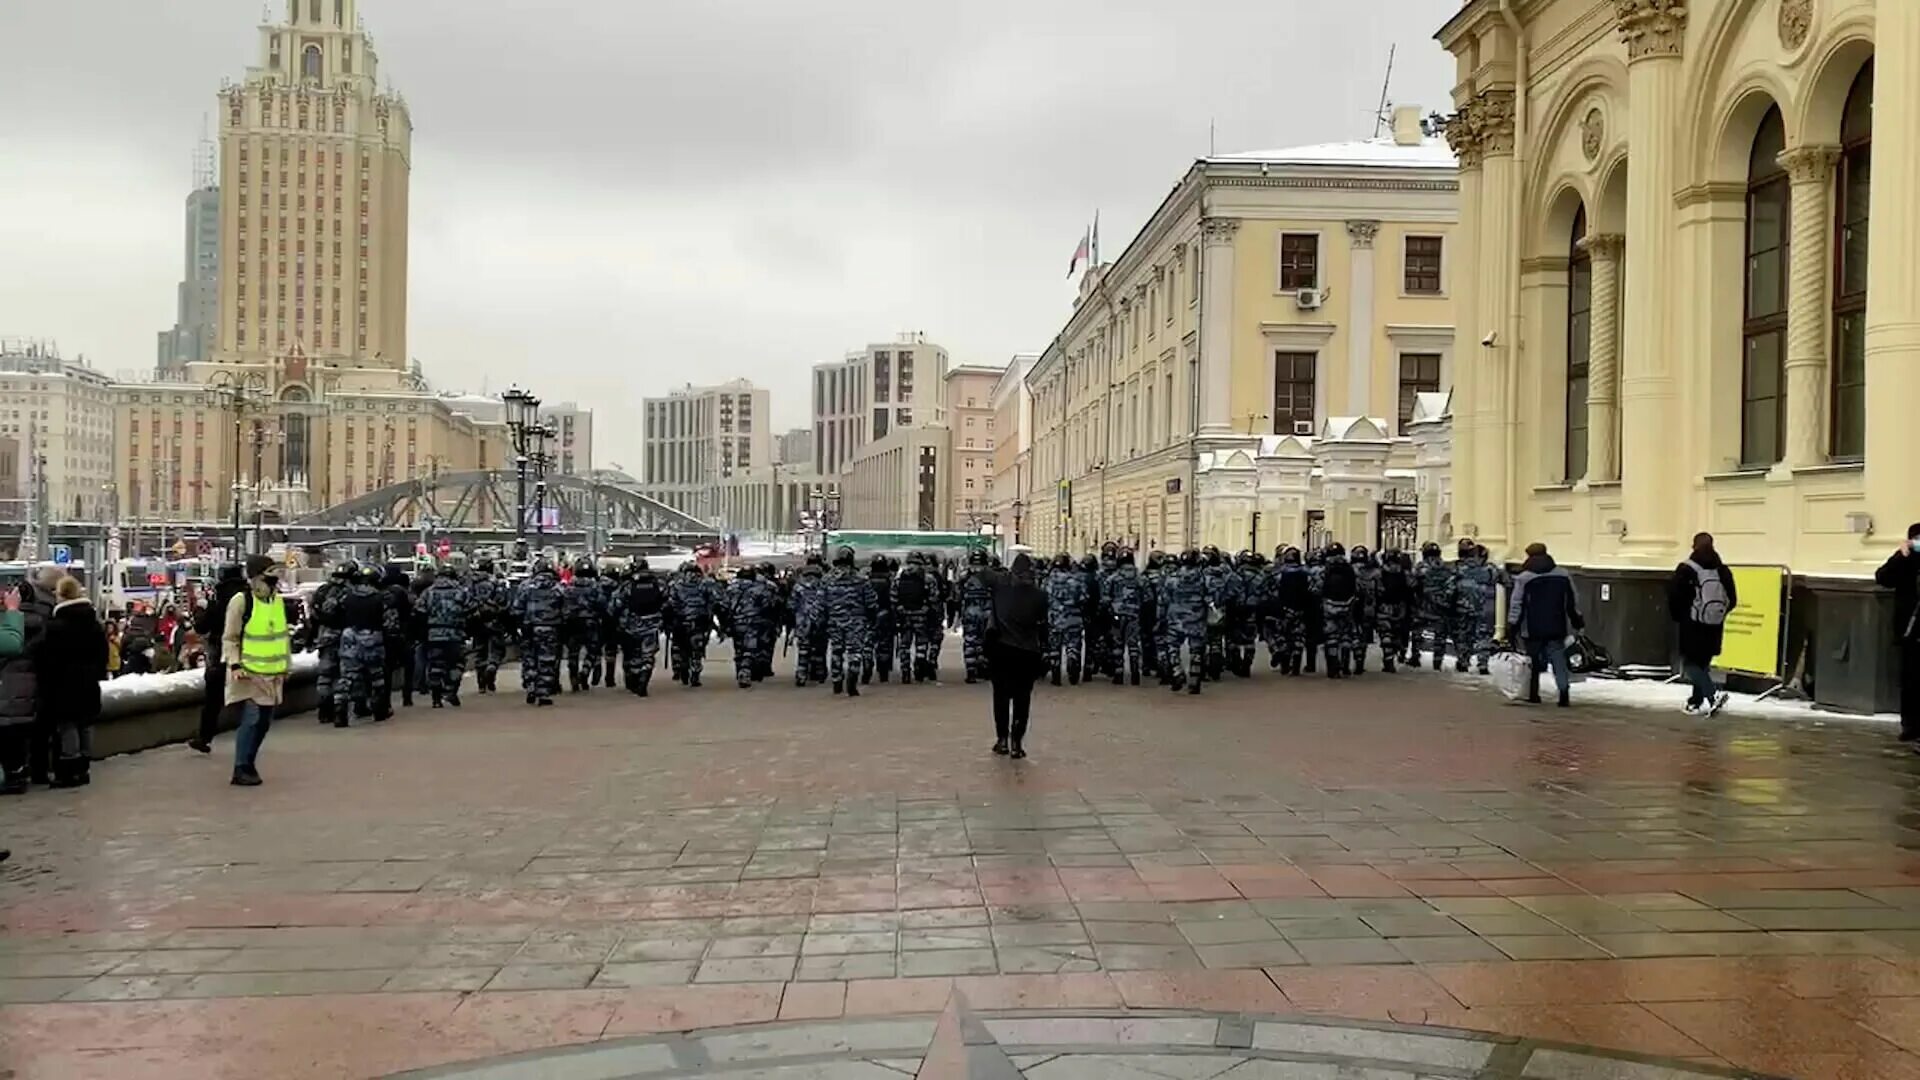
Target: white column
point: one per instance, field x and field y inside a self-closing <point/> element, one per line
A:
<point x="1603" y="357"/>
<point x="1491" y="471"/>
<point x="1360" y="327"/>
<point x="1893" y="304"/>
<point x="1653" y="31"/>
<point x="1810" y="169"/>
<point x="1216" y="326"/>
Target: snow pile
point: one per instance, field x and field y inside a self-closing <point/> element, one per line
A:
<point x="1671" y="696"/>
<point x="143" y="693"/>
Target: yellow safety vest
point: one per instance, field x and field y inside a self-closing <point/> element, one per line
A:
<point x="264" y="649"/>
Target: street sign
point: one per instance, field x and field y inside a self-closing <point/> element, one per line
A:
<point x="62" y="555"/>
<point x="205" y="547"/>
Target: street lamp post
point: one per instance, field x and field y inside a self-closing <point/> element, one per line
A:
<point x="523" y="409"/>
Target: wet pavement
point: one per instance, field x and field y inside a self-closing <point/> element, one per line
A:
<point x="458" y="885"/>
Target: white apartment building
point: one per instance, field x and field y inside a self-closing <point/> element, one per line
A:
<point x="62" y="411"/>
<point x="698" y="436"/>
<point x="873" y="391"/>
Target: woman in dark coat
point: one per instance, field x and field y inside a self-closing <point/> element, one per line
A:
<point x="73" y="664"/>
<point x="23" y="753"/>
<point x="1016" y="643"/>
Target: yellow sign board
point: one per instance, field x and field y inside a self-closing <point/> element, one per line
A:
<point x="1754" y="626"/>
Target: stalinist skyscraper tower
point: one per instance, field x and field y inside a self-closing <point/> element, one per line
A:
<point x="314" y="163"/>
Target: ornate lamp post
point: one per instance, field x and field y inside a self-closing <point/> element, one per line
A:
<point x="522" y="415"/>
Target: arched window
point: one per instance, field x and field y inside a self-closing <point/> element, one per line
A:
<point x="310" y="62"/>
<point x="1853" y="186"/>
<point x="1764" y="333"/>
<point x="1579" y="345"/>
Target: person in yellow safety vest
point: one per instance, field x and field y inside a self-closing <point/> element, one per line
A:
<point x="258" y="653"/>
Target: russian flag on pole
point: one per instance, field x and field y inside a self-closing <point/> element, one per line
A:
<point x="1082" y="253"/>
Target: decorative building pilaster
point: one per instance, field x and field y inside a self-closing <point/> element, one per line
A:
<point x="1893" y="306"/>
<point x="1810" y="170"/>
<point x="1654" y="32"/>
<point x="1490" y="472"/>
<point x="1216" y="326"/>
<point x="1468" y="331"/>
<point x="1603" y="357"/>
<point x="1360" y="321"/>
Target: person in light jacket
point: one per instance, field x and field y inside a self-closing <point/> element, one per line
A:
<point x="1544" y="612"/>
<point x="258" y="653"/>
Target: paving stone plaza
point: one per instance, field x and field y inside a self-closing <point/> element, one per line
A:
<point x="1391" y="877"/>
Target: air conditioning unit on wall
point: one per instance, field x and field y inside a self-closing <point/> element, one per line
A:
<point x="1303" y="427"/>
<point x="1307" y="299"/>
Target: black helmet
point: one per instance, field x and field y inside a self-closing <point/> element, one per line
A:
<point x="1063" y="561"/>
<point x="1125" y="555"/>
<point x="1088" y="562"/>
<point x="1290" y="556"/>
<point x="484" y="566"/>
<point x="1466" y="547"/>
<point x="766" y="571"/>
<point x="346" y="570"/>
<point x="1242" y="557"/>
<point x="371" y="574"/>
<point x="843" y="557"/>
<point x="977" y="557"/>
<point x="745" y="573"/>
<point x="1430" y="550"/>
<point x="638" y="565"/>
<point x="994" y="561"/>
<point x="1360" y="556"/>
<point x="542" y="565"/>
<point x="1335" y="550"/>
<point x="1189" y="557"/>
<point x="687" y="566"/>
<point x="815" y="560"/>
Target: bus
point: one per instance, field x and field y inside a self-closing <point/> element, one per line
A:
<point x="157" y="582"/>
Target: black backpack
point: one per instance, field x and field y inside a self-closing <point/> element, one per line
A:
<point x="913" y="590"/>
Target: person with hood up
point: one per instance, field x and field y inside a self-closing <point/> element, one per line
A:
<point x="208" y="623"/>
<point x="1544" y="612"/>
<point x="1018" y="640"/>
<point x="73" y="664"/>
<point x="1700" y="595"/>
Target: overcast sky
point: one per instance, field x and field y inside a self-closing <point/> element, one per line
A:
<point x="613" y="198"/>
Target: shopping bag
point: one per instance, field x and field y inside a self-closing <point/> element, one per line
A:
<point x="1511" y="673"/>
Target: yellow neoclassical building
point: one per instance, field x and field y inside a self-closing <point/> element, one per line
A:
<point x="1272" y="327"/>
<point x="1695" y="225"/>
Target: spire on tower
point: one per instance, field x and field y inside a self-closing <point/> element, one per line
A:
<point x="204" y="173"/>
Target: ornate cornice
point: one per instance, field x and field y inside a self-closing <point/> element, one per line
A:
<point x="1651" y="29"/>
<point x="1334" y="184"/>
<point x="1493" y="113"/>
<point x="1809" y="164"/>
<point x="1362" y="233"/>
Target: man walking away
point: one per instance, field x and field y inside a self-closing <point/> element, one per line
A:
<point x="1699" y="597"/>
<point x="364" y="617"/>
<point x="850" y="611"/>
<point x="1901" y="573"/>
<point x="447" y="614"/>
<point x="1545" y="612"/>
<point x="1018" y="632"/>
<point x="637" y="609"/>
<point x="258" y="654"/>
<point x="208" y="624"/>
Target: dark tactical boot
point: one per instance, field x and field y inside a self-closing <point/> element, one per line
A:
<point x="325" y="709"/>
<point x="853" y="685"/>
<point x="1386" y="663"/>
<point x="544" y="702"/>
<point x="436" y="701"/>
<point x="532" y="697"/>
<point x="453" y="698"/>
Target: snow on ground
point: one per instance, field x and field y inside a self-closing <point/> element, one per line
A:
<point x="1655" y="694"/>
<point x="132" y="692"/>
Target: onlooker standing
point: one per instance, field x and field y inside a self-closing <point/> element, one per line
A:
<point x="1901" y="573"/>
<point x="20" y="685"/>
<point x="210" y="622"/>
<point x="1016" y="641"/>
<point x="258" y="654"/>
<point x="14" y="723"/>
<point x="1699" y="597"/>
<point x="73" y="663"/>
<point x="113" y="648"/>
<point x="1545" y="612"/>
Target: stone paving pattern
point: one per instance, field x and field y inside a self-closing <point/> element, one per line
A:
<point x="457" y="885"/>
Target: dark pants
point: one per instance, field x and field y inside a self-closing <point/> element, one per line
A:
<point x="214" y="701"/>
<point x="1013" y="673"/>
<point x="1542" y="654"/>
<point x="1910" y="687"/>
<point x="1699" y="674"/>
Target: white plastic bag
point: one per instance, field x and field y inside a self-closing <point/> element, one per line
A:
<point x="1511" y="673"/>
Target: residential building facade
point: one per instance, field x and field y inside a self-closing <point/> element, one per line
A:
<point x="697" y="437"/>
<point x="900" y="481"/>
<point x="970" y="422"/>
<point x="795" y="448"/>
<point x="1695" y="307"/>
<point x="1271" y="299"/>
<point x="1011" y="492"/>
<point x="62" y="412"/>
<point x="879" y="388"/>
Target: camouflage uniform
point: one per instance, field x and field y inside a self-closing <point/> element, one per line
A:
<point x="585" y="611"/>
<point x="1393" y="619"/>
<point x="976" y="614"/>
<point x="1366" y="607"/>
<point x="638" y="608"/>
<point x="1433" y="584"/>
<point x="936" y="629"/>
<point x="488" y="599"/>
<point x="690" y="603"/>
<point x="445" y="604"/>
<point x="884" y="626"/>
<point x="850" y="610"/>
<point x="1223" y="587"/>
<point x="1316" y="617"/>
<point x="810" y="626"/>
<point x="916" y="610"/>
<point x="609" y="629"/>
<point x="540" y="609"/>
<point x="1473" y="589"/>
<point x="1153" y="619"/>
<point x="748" y="601"/>
<point x="1243" y="618"/>
<point x="1098" y="634"/>
<point x="1184" y="600"/>
<point x="324" y="629"/>
<point x="1289" y="596"/>
<point x="1339" y="592"/>
<point x="362" y="686"/>
<point x="1123" y="596"/>
<point x="1066" y="621"/>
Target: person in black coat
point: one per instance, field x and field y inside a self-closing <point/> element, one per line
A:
<point x="210" y="624"/>
<point x="1901" y="573"/>
<point x="73" y="664"/>
<point x="1699" y="597"/>
<point x="1545" y="612"/>
<point x="1016" y="642"/>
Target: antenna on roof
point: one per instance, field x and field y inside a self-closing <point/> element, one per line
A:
<point x="1382" y="116"/>
<point x="1211" y="149"/>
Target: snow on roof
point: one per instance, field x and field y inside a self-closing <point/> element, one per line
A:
<point x="1428" y="153"/>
